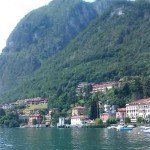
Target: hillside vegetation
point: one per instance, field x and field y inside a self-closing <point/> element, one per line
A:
<point x="113" y="45"/>
<point x="39" y="35"/>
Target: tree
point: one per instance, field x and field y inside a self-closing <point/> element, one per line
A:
<point x="146" y="86"/>
<point x="34" y="121"/>
<point x="140" y="120"/>
<point x="111" y="121"/>
<point x="94" y="110"/>
<point x="2" y="112"/>
<point x="127" y="120"/>
<point x="98" y="121"/>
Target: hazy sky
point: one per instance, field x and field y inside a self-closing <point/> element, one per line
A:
<point x="11" y="11"/>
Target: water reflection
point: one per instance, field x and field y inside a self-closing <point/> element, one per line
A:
<point x="72" y="139"/>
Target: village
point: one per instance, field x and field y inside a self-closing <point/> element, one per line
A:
<point x="34" y="112"/>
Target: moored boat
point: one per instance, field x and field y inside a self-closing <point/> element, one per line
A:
<point x="146" y="130"/>
<point x="124" y="128"/>
<point x="111" y="127"/>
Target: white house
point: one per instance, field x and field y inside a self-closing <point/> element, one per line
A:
<point x="78" y="120"/>
<point x="139" y="108"/>
<point x="78" y="116"/>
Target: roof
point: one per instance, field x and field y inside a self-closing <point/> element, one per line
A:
<point x="140" y="102"/>
<point x="79" y="117"/>
<point x="35" y="115"/>
<point x="103" y="84"/>
<point x="121" y="109"/>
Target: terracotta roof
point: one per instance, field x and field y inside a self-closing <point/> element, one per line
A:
<point x="121" y="109"/>
<point x="35" y="115"/>
<point x="140" y="102"/>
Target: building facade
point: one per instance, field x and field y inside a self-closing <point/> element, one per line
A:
<point x="121" y="114"/>
<point x="79" y="110"/>
<point x="139" y="108"/>
<point x="78" y="115"/>
<point x="103" y="87"/>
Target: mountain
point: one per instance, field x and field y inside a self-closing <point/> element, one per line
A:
<point x="41" y="34"/>
<point x="80" y="41"/>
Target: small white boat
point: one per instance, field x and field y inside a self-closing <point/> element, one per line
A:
<point x="111" y="127"/>
<point x="146" y="130"/>
<point x="144" y="127"/>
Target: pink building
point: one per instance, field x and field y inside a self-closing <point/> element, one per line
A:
<point x="105" y="117"/>
<point x="121" y="113"/>
<point x="37" y="117"/>
<point x="36" y="101"/>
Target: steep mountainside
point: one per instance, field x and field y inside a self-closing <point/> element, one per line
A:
<point x="41" y="34"/>
<point x="114" y="45"/>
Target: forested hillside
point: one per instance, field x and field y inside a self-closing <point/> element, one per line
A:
<point x="39" y="35"/>
<point x="113" y="45"/>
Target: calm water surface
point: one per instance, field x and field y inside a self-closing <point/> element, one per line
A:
<point x="72" y="139"/>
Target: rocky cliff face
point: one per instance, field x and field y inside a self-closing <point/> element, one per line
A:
<point x="50" y="28"/>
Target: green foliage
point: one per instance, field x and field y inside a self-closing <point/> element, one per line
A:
<point x="2" y="112"/>
<point x="112" y="47"/>
<point x="94" y="112"/>
<point x="41" y="34"/>
<point x="98" y="121"/>
<point x="111" y="121"/>
<point x="55" y="118"/>
<point x="127" y="120"/>
<point x="34" y="121"/>
<point x="43" y="111"/>
<point x="10" y="119"/>
<point x="140" y="120"/>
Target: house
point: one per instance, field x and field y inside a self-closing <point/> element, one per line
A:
<point x="79" y="110"/>
<point x="36" y="117"/>
<point x="20" y="103"/>
<point x="139" y="108"/>
<point x="78" y="116"/>
<point x="27" y="111"/>
<point x="105" y="117"/>
<point x="99" y="87"/>
<point x="103" y="87"/>
<point x="48" y="118"/>
<point x="121" y="114"/>
<point x="109" y="112"/>
<point x="80" y="88"/>
<point x="78" y="120"/>
<point x="37" y="101"/>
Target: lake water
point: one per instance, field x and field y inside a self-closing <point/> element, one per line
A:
<point x="72" y="139"/>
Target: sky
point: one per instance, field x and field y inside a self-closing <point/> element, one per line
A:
<point x="12" y="11"/>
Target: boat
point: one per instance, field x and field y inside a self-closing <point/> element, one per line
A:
<point x="144" y="127"/>
<point x="124" y="128"/>
<point x="111" y="127"/>
<point x="130" y="126"/>
<point x="146" y="130"/>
